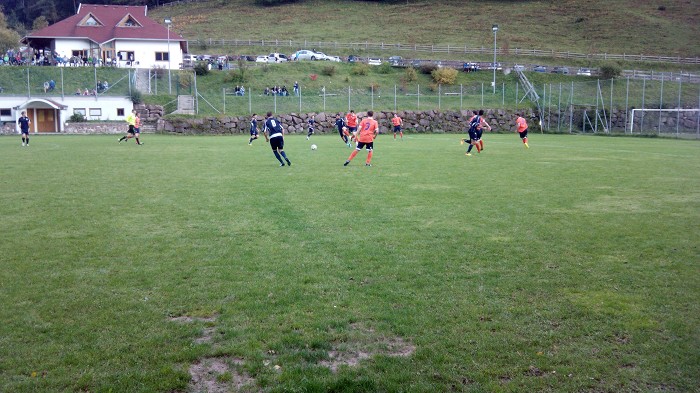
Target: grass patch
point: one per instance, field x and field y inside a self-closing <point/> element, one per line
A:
<point x="572" y="264"/>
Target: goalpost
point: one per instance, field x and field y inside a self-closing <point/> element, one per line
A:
<point x="665" y="121"/>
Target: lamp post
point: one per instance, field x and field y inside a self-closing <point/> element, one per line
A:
<point x="495" y="32"/>
<point x="169" y="22"/>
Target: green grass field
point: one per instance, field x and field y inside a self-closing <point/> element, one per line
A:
<point x="571" y="266"/>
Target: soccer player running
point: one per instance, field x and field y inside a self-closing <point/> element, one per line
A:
<point x="23" y="123"/>
<point x="132" y="132"/>
<point x="369" y="129"/>
<point x="397" y="123"/>
<point x="342" y="129"/>
<point x="521" y="124"/>
<point x="480" y="129"/>
<point x="274" y="134"/>
<point x="351" y="121"/>
<point x="312" y="124"/>
<point x="474" y="123"/>
<point x="253" y="129"/>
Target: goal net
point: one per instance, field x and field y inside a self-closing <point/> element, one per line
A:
<point x="664" y="121"/>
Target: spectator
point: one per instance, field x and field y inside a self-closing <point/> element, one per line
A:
<point x="242" y="90"/>
<point x="296" y="88"/>
<point x="46" y="86"/>
<point x="86" y="92"/>
<point x="285" y="92"/>
<point x="52" y="85"/>
<point x="79" y="92"/>
<point x="105" y="85"/>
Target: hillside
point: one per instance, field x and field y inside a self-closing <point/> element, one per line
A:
<point x="620" y="26"/>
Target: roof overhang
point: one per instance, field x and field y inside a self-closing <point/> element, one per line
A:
<point x="41" y="103"/>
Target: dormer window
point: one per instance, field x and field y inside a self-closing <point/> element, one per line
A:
<point x="90" y="20"/>
<point x="128" y="21"/>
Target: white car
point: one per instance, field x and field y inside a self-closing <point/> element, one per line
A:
<point x="276" y="58"/>
<point x="584" y="72"/>
<point x="374" y="61"/>
<point x="333" y="58"/>
<point x="262" y="59"/>
<point x="308" y="55"/>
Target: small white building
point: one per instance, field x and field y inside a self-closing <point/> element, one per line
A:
<point x="111" y="34"/>
<point x="49" y="114"/>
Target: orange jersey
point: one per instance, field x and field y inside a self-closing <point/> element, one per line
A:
<point x="368" y="129"/>
<point x="396" y="121"/>
<point x="137" y="122"/>
<point x="351" y="120"/>
<point x="521" y="123"/>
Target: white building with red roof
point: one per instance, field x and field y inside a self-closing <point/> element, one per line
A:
<point x="117" y="34"/>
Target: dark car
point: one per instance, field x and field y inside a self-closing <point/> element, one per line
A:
<point x="353" y="59"/>
<point x="539" y="68"/>
<point x="397" y="61"/>
<point x="560" y="70"/>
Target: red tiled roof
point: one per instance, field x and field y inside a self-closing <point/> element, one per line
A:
<point x="109" y="16"/>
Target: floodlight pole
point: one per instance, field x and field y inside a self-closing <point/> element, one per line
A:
<point x="495" y="32"/>
<point x="169" y="22"/>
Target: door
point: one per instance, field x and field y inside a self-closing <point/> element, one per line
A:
<point x="46" y="120"/>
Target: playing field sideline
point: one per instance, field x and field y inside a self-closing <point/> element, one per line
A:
<point x="569" y="266"/>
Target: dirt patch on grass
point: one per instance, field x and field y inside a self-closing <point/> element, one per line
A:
<point x="219" y="375"/>
<point x="361" y="342"/>
<point x="189" y="319"/>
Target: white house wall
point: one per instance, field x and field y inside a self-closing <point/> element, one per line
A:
<point x="145" y="53"/>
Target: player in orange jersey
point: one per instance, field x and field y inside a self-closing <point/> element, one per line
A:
<point x="397" y="123"/>
<point x="521" y="123"/>
<point x="351" y="121"/>
<point x="369" y="129"/>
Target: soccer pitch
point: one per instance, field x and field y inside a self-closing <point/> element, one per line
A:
<point x="197" y="264"/>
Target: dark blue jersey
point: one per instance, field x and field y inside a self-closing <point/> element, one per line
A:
<point x="311" y="123"/>
<point x="23" y="123"/>
<point x="273" y="126"/>
<point x="254" y="126"/>
<point x="340" y="123"/>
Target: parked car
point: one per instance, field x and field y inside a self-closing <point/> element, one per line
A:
<point x="333" y="58"/>
<point x="519" y="67"/>
<point x="374" y="61"/>
<point x="560" y="70"/>
<point x="539" y="68"/>
<point x="470" y="67"/>
<point x="584" y="72"/>
<point x="305" y="54"/>
<point x="277" y="58"/>
<point x="416" y="63"/>
<point x="396" y="61"/>
<point x="261" y="59"/>
<point x="491" y="66"/>
<point x="353" y="59"/>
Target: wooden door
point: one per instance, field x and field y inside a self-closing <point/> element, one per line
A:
<point x="46" y="120"/>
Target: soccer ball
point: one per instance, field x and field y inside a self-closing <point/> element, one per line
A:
<point x="314" y="147"/>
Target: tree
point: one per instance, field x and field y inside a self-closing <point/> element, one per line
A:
<point x="8" y="38"/>
<point x="40" y="23"/>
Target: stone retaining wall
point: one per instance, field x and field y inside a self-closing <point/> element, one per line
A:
<point x="432" y="121"/>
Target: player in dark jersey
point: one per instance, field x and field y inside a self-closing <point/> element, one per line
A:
<point x="274" y="134"/>
<point x="23" y="123"/>
<point x="312" y="124"/>
<point x="480" y="129"/>
<point x="342" y="129"/>
<point x="253" y="129"/>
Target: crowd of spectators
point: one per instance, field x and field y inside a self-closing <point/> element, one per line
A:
<point x="276" y="91"/>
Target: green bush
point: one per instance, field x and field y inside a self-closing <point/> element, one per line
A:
<point x="428" y="68"/>
<point x="360" y="69"/>
<point x="77" y="118"/>
<point x="136" y="97"/>
<point x="610" y="70"/>
<point x="410" y="75"/>
<point x="201" y="68"/>
<point x="328" y="70"/>
<point x="384" y="68"/>
<point x="444" y="76"/>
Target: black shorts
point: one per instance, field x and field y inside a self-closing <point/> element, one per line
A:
<point x="254" y="133"/>
<point x="397" y="128"/>
<point x="479" y="133"/>
<point x="277" y="143"/>
<point x="523" y="134"/>
<point x="25" y="132"/>
<point x="130" y="130"/>
<point x="368" y="145"/>
<point x="352" y="129"/>
<point x="473" y="135"/>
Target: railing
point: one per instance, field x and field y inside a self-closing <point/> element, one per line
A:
<point x="443" y="48"/>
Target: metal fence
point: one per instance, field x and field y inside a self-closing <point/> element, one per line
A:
<point x="441" y="48"/>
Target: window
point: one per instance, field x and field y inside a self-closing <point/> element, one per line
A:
<point x="128" y="21"/>
<point x="95" y="112"/>
<point x="5" y="112"/>
<point x="120" y="111"/>
<point x="162" y="56"/>
<point x="79" y="111"/>
<point x="89" y="20"/>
